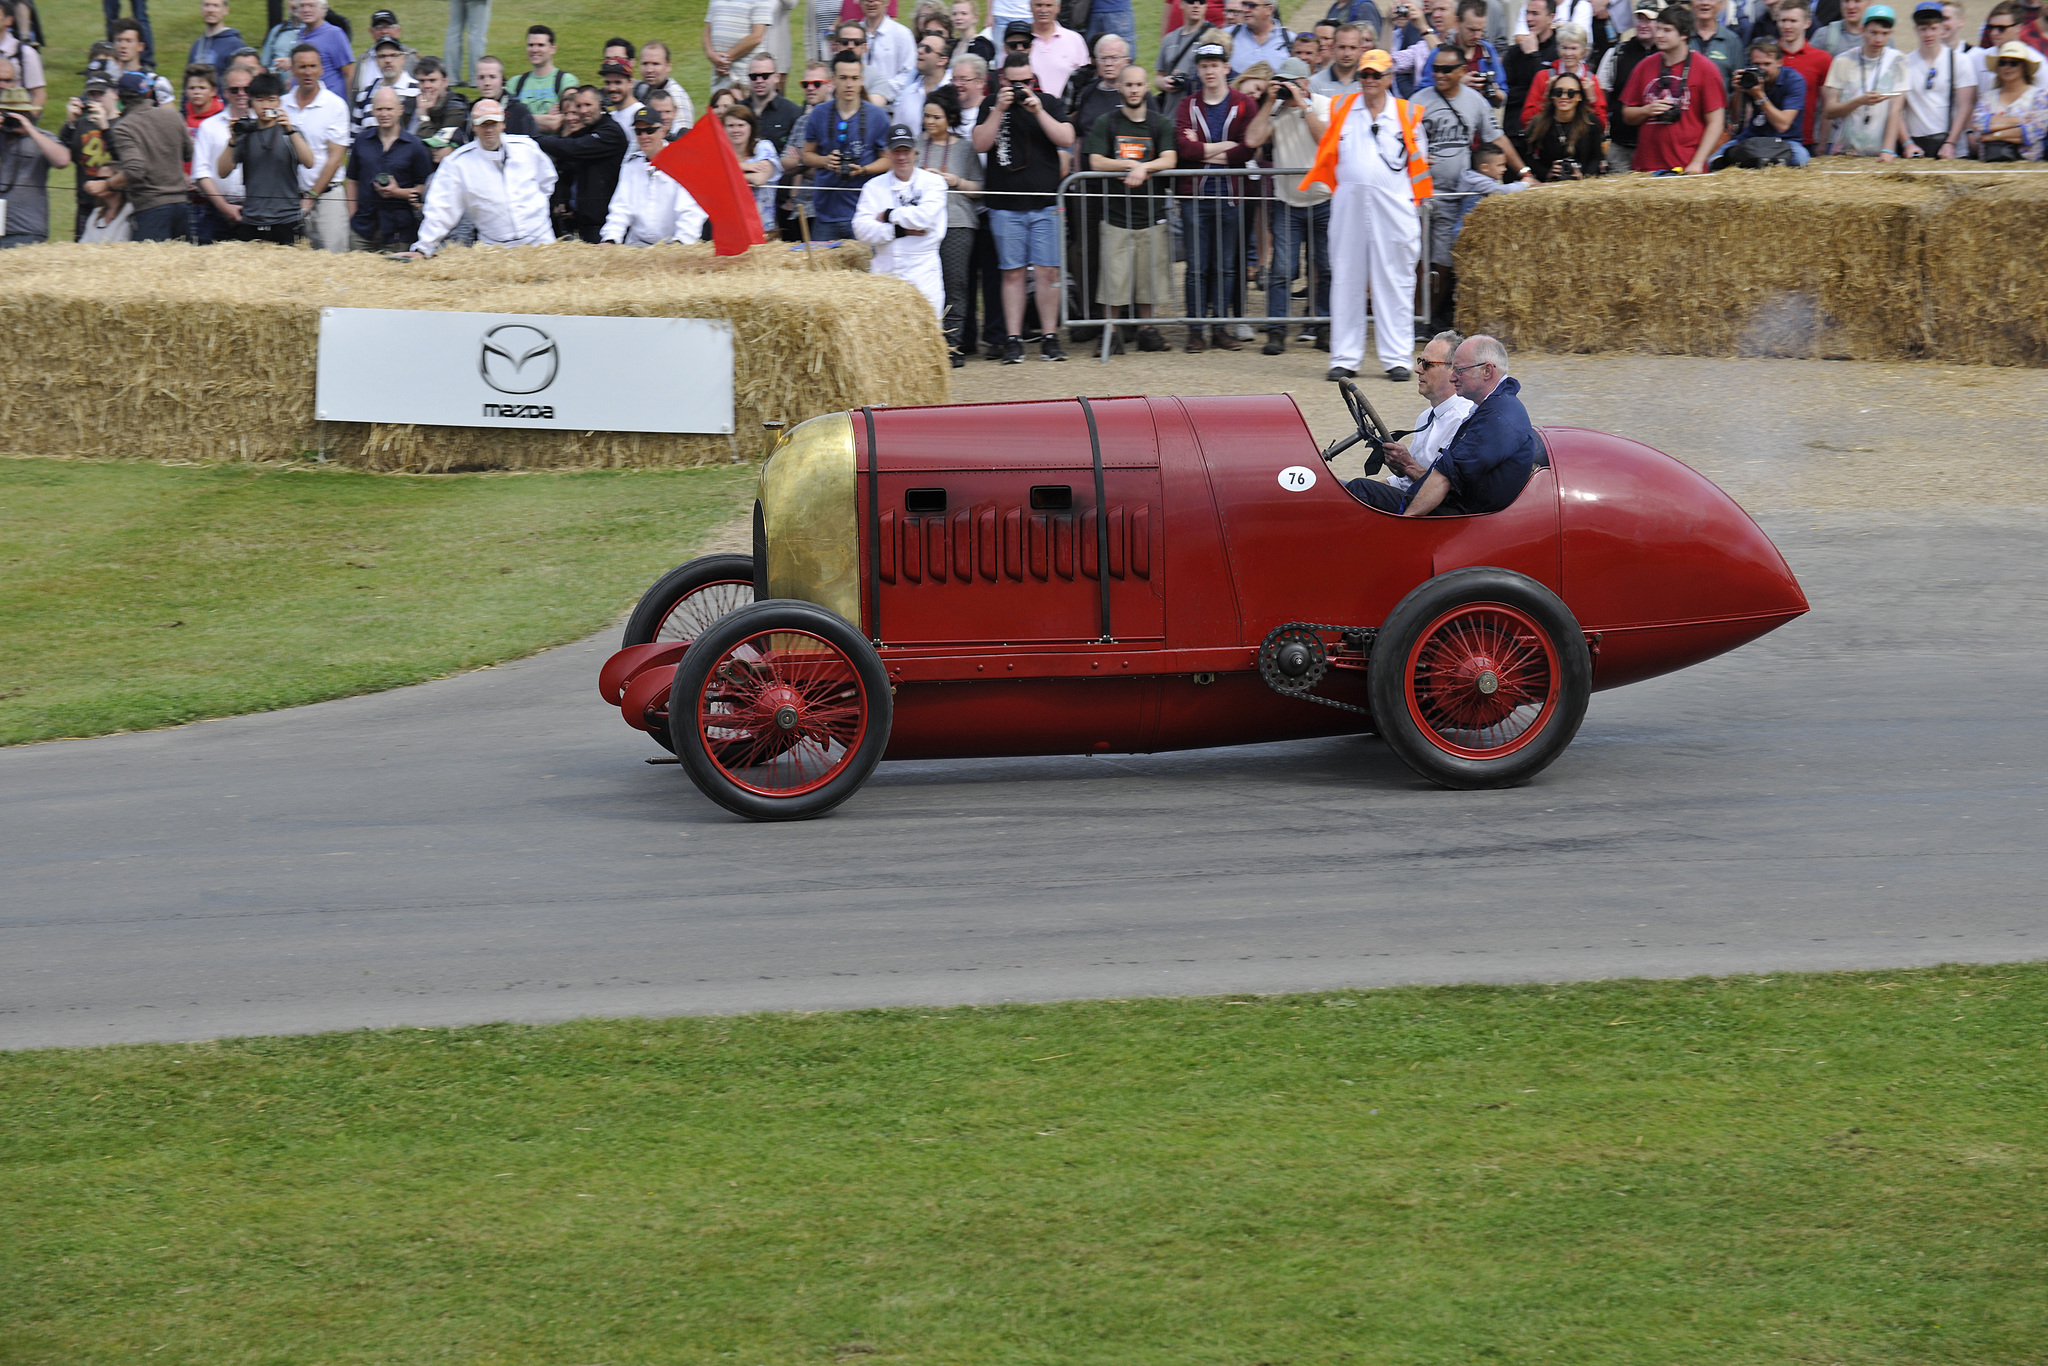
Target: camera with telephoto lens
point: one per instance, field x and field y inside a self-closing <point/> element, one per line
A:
<point x="1749" y="78"/>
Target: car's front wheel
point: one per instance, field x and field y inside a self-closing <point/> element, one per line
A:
<point x="780" y="711"/>
<point x="687" y="599"/>
<point x="1480" y="678"/>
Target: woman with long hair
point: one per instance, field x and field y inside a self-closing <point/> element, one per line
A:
<point x="1566" y="140"/>
<point x="1573" y="53"/>
<point x="951" y="157"/>
<point x="759" y="161"/>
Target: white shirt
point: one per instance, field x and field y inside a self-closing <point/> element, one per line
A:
<point x="1928" y="107"/>
<point x="649" y="207"/>
<point x="209" y="140"/>
<point x="1363" y="156"/>
<point x="892" y="59"/>
<point x="325" y="123"/>
<point x="623" y="116"/>
<point x="1578" y="12"/>
<point x="1434" y="428"/>
<point x="919" y="202"/>
<point x="909" y="110"/>
<point x="505" y="191"/>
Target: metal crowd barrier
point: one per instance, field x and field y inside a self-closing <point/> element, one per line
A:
<point x="1222" y="237"/>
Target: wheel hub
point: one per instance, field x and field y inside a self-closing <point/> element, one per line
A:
<point x="1488" y="682"/>
<point x="785" y="717"/>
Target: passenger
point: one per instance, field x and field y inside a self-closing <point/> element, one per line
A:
<point x="1493" y="454"/>
<point x="1433" y="429"/>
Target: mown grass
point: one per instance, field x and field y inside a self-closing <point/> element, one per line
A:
<point x="1836" y="1168"/>
<point x="136" y="596"/>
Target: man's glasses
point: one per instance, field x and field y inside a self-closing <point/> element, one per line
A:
<point x="1448" y="66"/>
<point x="760" y="75"/>
<point x="1426" y="365"/>
<point x="814" y="85"/>
<point x="1476" y="365"/>
<point x="1368" y="74"/>
<point x="851" y="42"/>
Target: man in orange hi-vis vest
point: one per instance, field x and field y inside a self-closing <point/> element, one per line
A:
<point x="1377" y="168"/>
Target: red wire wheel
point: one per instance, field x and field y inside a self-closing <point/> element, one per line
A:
<point x="780" y="711"/>
<point x="1479" y="678"/>
<point x="1482" y="680"/>
<point x="687" y="600"/>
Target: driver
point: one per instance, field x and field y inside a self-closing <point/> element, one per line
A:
<point x="1490" y="459"/>
<point x="1434" y="428"/>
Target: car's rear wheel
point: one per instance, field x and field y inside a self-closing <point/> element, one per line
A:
<point x="780" y="711"/>
<point x="1480" y="678"/>
<point x="689" y="598"/>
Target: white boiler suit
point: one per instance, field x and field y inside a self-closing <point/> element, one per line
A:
<point x="919" y="202"/>
<point x="1375" y="242"/>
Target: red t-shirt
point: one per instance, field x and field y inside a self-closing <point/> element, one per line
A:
<point x="1811" y="63"/>
<point x="1695" y="86"/>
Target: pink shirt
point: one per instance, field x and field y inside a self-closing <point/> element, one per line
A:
<point x="1056" y="58"/>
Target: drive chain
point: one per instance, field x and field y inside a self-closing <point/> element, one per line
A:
<point x="1364" y="634"/>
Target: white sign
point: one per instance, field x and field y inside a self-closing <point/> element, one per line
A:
<point x="525" y="371"/>
<point x="1297" y="479"/>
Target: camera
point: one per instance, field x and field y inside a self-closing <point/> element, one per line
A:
<point x="1020" y="91"/>
<point x="1749" y="78"/>
<point x="1180" y="83"/>
<point x="245" y="125"/>
<point x="1567" y="169"/>
<point x="1403" y="12"/>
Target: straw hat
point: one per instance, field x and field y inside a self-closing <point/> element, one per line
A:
<point x="2019" y="52"/>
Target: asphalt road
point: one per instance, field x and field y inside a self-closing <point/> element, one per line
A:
<point x="1863" y="788"/>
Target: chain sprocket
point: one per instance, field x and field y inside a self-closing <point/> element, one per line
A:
<point x="1308" y="634"/>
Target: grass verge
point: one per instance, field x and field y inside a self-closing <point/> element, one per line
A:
<point x="136" y="596"/>
<point x="1829" y="1168"/>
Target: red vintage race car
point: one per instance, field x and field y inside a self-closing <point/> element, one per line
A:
<point x="1140" y="574"/>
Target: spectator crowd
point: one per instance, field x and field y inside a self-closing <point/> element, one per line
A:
<point x="947" y="138"/>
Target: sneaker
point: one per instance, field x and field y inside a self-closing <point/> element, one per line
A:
<point x="1276" y="344"/>
<point x="1195" y="343"/>
<point x="1309" y="334"/>
<point x="1049" y="348"/>
<point x="1150" y="339"/>
<point x="958" y="360"/>
<point x="1013" y="351"/>
<point x="1400" y="374"/>
<point x="1222" y="340"/>
<point x="1301" y="293"/>
<point x="1242" y="331"/>
<point x="1338" y="372"/>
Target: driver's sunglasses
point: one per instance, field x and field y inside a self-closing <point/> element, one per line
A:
<point x="1430" y="364"/>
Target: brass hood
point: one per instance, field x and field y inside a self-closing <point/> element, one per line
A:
<point x="808" y="515"/>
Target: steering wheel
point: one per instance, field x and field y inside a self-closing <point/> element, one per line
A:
<point x="1371" y="430"/>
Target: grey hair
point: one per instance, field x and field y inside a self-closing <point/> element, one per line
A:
<point x="1453" y="339"/>
<point x="1574" y="33"/>
<point x="976" y="67"/>
<point x="1106" y="38"/>
<point x="1488" y="351"/>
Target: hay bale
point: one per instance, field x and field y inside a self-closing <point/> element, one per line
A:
<point x="1987" y="295"/>
<point x="1777" y="262"/>
<point x="168" y="352"/>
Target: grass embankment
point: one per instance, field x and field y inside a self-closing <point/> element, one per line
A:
<point x="1841" y="1168"/>
<point x="136" y="596"/>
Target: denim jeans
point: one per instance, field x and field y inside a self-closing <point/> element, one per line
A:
<point x="1215" y="245"/>
<point x="1121" y="22"/>
<point x="1290" y="227"/>
<point x="473" y="19"/>
<point x="160" y="224"/>
<point x="204" y="224"/>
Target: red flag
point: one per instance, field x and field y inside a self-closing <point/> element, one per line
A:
<point x="702" y="161"/>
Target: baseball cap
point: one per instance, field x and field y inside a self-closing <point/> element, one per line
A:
<point x="383" y="18"/>
<point x="1293" y="69"/>
<point x="1648" y="9"/>
<point x="901" y="136"/>
<point x="1929" y="9"/>
<point x="644" y="117"/>
<point x="1016" y="27"/>
<point x="486" y="111"/>
<point x="614" y="67"/>
<point x="1379" y="59"/>
<point x="135" y="83"/>
<point x="1204" y="51"/>
<point x="1881" y="14"/>
<point x="387" y="45"/>
<point x="97" y="84"/>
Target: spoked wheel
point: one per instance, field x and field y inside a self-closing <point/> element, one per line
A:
<point x="1480" y="678"/>
<point x="689" y="598"/>
<point x="780" y="711"/>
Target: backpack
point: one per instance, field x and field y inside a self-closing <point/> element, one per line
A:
<point x="1755" y="153"/>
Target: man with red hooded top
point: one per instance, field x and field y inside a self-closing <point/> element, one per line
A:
<point x="1371" y="155"/>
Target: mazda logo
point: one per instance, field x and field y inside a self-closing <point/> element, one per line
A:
<point x="518" y="359"/>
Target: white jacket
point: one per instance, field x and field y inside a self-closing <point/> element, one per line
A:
<point x="919" y="202"/>
<point x="649" y="207"/>
<point x="507" y="196"/>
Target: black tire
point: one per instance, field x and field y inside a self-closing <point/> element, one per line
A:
<point x="1480" y="678"/>
<point x="808" y="723"/>
<point x="667" y="606"/>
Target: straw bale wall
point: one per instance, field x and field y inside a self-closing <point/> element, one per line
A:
<point x="165" y="351"/>
<point x="1764" y="263"/>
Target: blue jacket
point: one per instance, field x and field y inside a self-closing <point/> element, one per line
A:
<point x="1490" y="459"/>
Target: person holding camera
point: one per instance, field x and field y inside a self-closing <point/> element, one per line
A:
<point x="1675" y="101"/>
<point x="1616" y="67"/>
<point x="1769" y="100"/>
<point x="1022" y="131"/>
<point x="843" y="141"/>
<point x="270" y="153"/>
<point x="1175" y="72"/>
<point x="1566" y="138"/>
<point x="1300" y="217"/>
<point x="26" y="155"/>
<point x="217" y="201"/>
<point x="387" y="178"/>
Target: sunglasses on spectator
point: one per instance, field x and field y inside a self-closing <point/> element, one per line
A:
<point x="815" y="85"/>
<point x="2000" y="28"/>
<point x="851" y="42"/>
<point x="1567" y="94"/>
<point x="1370" y="75"/>
<point x="1448" y="66"/>
<point x="760" y="75"/>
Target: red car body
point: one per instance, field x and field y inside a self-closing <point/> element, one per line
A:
<point x="983" y="595"/>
